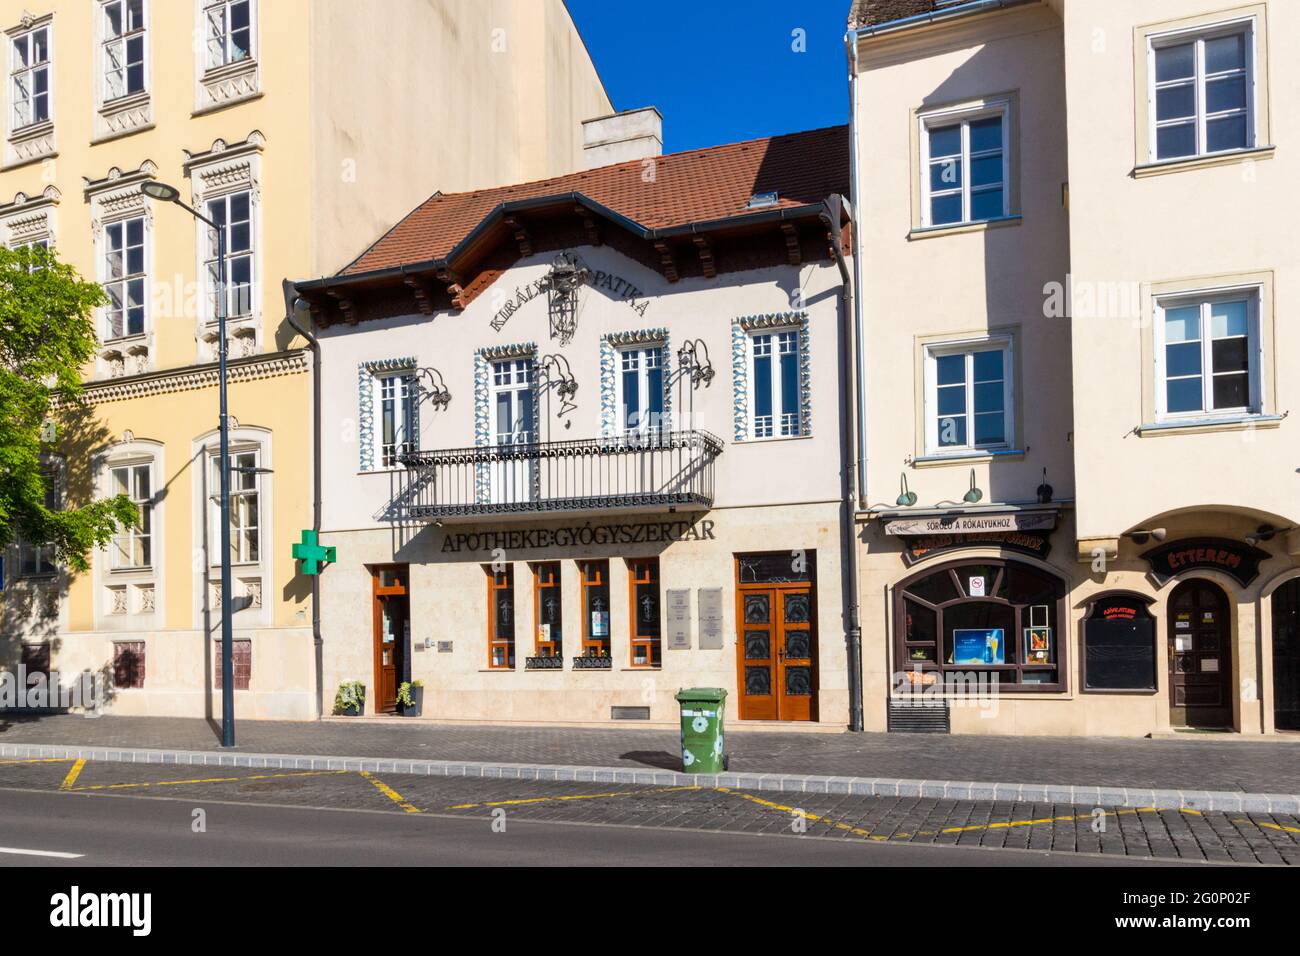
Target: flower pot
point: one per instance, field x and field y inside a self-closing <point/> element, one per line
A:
<point x="353" y="712"/>
<point x="417" y="703"/>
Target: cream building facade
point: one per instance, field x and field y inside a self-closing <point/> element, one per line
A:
<point x="1077" y="220"/>
<point x="274" y="119"/>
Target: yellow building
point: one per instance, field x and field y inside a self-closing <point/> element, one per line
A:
<point x="305" y="127"/>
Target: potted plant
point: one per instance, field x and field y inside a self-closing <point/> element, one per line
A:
<point x="350" y="700"/>
<point x="410" y="698"/>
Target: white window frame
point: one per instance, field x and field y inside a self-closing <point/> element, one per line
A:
<point x="16" y="71"/>
<point x="964" y="116"/>
<point x="404" y="396"/>
<point x="133" y="534"/>
<point x="1254" y="295"/>
<point x="53" y="472"/>
<point x="205" y="22"/>
<point x="242" y="555"/>
<point x="210" y="256"/>
<point x="124" y="281"/>
<point x="968" y="348"/>
<point x="643" y="355"/>
<point x="107" y="98"/>
<point x="513" y="384"/>
<point x="778" y="427"/>
<point x="1199" y="35"/>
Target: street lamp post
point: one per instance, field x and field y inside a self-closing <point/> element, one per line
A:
<point x="164" y="193"/>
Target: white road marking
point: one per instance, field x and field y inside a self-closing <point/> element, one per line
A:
<point x="54" y="853"/>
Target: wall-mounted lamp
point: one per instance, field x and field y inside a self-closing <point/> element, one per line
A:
<point x="693" y="357"/>
<point x="906" y="497"/>
<point x="1045" y="491"/>
<point x="1265" y="532"/>
<point x="433" y="387"/>
<point x="1142" y="536"/>
<point x="974" y="496"/>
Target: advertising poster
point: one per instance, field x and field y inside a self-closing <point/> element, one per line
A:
<point x="979" y="646"/>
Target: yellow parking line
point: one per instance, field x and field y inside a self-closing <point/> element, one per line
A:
<point x="566" y="798"/>
<point x="390" y="793"/>
<point x="857" y="831"/>
<point x="72" y="776"/>
<point x="181" y="783"/>
<point x="1275" y="826"/>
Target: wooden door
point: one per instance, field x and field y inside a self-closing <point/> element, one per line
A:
<point x="392" y="631"/>
<point x="1200" y="656"/>
<point x="776" y="650"/>
<point x="1286" y="656"/>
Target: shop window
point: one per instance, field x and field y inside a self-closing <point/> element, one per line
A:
<point x="595" y="608"/>
<point x="241" y="653"/>
<point x="1119" y="644"/>
<point x="646" y="635"/>
<point x="128" y="664"/>
<point x="501" y="618"/>
<point x="996" y="621"/>
<point x="548" y="609"/>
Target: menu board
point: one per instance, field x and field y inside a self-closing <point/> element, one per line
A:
<point x="1119" y="646"/>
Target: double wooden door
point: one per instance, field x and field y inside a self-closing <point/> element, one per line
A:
<point x="1200" y="656"/>
<point x="777" y="650"/>
<point x="392" y="616"/>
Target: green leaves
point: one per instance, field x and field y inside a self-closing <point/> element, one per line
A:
<point x="47" y="337"/>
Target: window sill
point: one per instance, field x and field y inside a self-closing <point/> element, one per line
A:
<point x="31" y="131"/>
<point x="1210" y="424"/>
<point x="1164" y="167"/>
<point x="966" y="458"/>
<point x="934" y="232"/>
<point x="146" y="569"/>
<point x="226" y="104"/>
<point x="748" y="440"/>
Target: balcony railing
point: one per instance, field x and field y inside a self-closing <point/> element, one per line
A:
<point x="650" y="471"/>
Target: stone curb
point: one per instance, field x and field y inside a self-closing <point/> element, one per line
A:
<point x="1115" y="797"/>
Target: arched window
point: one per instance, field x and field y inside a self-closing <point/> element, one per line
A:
<point x="987" y="619"/>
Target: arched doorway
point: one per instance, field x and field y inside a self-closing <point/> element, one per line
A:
<point x="1200" y="656"/>
<point x="1286" y="656"/>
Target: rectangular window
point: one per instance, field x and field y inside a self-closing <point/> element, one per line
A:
<point x="501" y="618"/>
<point x="512" y="401"/>
<point x="641" y="389"/>
<point x="124" y="278"/>
<point x="241" y="653"/>
<point x="965" y="167"/>
<point x="644" y="583"/>
<point x="1208" y="354"/>
<point x="124" y="48"/>
<point x="29" y="79"/>
<point x="775" y="388"/>
<point x="1202" y="92"/>
<point x="968" y="398"/>
<point x="595" y="608"/>
<point x="549" y="609"/>
<point x="133" y="547"/>
<point x="128" y="665"/>
<point x="245" y="504"/>
<point x="37" y="560"/>
<point x="228" y="27"/>
<point x="395" y="397"/>
<point x="234" y="214"/>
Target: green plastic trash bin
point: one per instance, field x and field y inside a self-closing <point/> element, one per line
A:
<point x="702" y="729"/>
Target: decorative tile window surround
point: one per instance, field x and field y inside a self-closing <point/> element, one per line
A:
<point x="741" y="329"/>
<point x="227" y="70"/>
<point x="223" y="174"/>
<point x="610" y="344"/>
<point x="115" y="200"/>
<point x="29" y="140"/>
<point x="29" y="219"/>
<point x="483" y="360"/>
<point x="367" y="375"/>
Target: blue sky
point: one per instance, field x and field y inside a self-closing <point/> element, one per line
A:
<point x="721" y="70"/>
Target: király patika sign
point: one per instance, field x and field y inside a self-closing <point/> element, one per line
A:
<point x="616" y="286"/>
<point x="580" y="536"/>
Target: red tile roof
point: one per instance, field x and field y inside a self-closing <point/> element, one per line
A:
<point x="870" y="13"/>
<point x="701" y="185"/>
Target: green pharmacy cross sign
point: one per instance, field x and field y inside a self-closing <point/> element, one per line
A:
<point x="312" y="555"/>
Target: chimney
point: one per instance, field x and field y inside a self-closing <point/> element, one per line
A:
<point x="632" y="134"/>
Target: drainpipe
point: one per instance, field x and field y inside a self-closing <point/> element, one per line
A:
<point x="859" y="353"/>
<point x="291" y="300"/>
<point x="848" y="528"/>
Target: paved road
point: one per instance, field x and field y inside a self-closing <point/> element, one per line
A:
<point x="130" y="814"/>
<point x="1192" y="764"/>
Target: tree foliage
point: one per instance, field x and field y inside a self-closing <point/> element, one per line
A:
<point x="47" y="336"/>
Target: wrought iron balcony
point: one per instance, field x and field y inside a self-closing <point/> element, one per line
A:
<point x="636" y="472"/>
